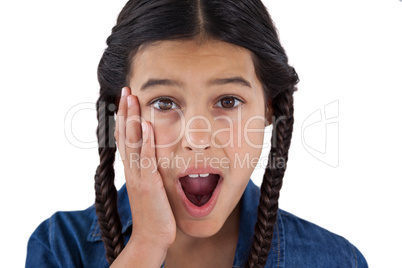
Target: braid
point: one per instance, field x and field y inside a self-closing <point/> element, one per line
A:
<point x="272" y="181"/>
<point x="105" y="190"/>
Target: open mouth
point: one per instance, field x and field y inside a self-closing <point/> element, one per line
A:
<point x="199" y="188"/>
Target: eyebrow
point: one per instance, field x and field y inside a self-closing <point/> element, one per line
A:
<point x="218" y="82"/>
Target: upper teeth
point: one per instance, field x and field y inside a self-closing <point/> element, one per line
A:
<point x="198" y="175"/>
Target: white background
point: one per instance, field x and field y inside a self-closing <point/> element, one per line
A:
<point x="347" y="54"/>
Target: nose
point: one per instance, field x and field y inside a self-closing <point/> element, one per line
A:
<point x="197" y="134"/>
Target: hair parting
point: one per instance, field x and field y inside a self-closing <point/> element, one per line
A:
<point x="244" y="23"/>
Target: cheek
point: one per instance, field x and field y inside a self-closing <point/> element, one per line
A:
<point x="166" y="135"/>
<point x="224" y="134"/>
<point x="248" y="142"/>
<point x="167" y="128"/>
<point x="245" y="134"/>
<point x="253" y="132"/>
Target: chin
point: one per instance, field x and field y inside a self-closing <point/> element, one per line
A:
<point x="199" y="228"/>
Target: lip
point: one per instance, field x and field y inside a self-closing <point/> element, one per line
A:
<point x="206" y="209"/>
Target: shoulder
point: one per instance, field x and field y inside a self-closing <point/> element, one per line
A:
<point x="64" y="240"/>
<point x="309" y="245"/>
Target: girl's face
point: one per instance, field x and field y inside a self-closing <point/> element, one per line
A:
<point x="206" y="106"/>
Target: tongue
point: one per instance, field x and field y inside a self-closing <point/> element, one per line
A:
<point x="199" y="190"/>
<point x="199" y="185"/>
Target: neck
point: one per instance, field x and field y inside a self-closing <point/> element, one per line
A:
<point x="218" y="250"/>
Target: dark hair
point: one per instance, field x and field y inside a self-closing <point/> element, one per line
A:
<point x="245" y="23"/>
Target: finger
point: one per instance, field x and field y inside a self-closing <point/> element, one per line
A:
<point x="120" y="129"/>
<point x="133" y="133"/>
<point x="148" y="159"/>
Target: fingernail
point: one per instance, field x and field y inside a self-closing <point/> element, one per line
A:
<point x="124" y="92"/>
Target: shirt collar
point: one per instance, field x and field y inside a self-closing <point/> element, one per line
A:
<point x="248" y="218"/>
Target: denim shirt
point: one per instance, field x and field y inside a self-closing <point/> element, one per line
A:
<point x="73" y="239"/>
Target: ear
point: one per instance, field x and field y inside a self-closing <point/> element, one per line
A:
<point x="269" y="112"/>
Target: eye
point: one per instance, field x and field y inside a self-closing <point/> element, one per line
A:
<point x="164" y="104"/>
<point x="229" y="102"/>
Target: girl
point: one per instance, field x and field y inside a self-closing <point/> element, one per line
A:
<point x="200" y="81"/>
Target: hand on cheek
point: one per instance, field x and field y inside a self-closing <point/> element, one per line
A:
<point x="153" y="220"/>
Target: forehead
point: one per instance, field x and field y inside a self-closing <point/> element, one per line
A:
<point x="190" y="60"/>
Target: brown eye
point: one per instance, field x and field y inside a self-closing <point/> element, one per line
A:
<point x="163" y="104"/>
<point x="229" y="102"/>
